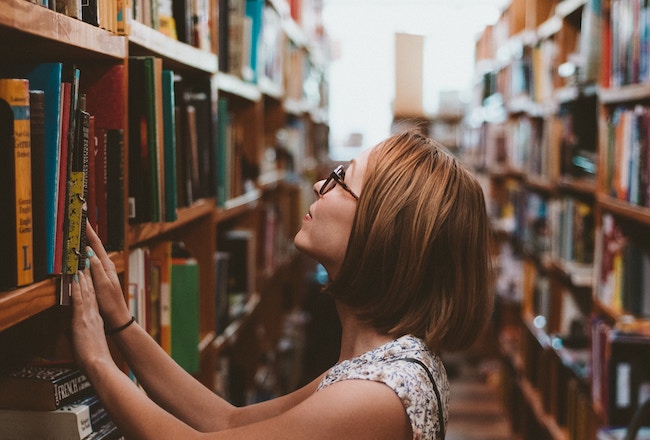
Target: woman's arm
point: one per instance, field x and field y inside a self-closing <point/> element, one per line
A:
<point x="156" y="370"/>
<point x="347" y="410"/>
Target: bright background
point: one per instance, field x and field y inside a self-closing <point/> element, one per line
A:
<point x="362" y="71"/>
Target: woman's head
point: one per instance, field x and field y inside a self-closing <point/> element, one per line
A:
<point x="417" y="257"/>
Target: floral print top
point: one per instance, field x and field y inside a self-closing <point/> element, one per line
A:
<point x="408" y="379"/>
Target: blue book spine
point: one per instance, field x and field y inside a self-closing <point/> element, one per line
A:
<point x="47" y="77"/>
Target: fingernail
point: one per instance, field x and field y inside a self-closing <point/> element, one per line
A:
<point x="89" y="252"/>
<point x="87" y="262"/>
<point x="76" y="278"/>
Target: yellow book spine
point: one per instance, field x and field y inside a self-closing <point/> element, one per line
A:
<point x="16" y="93"/>
<point x="75" y="208"/>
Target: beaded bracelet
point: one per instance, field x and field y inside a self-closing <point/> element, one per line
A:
<point x="112" y="331"/>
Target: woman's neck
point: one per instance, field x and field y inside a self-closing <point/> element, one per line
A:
<point x="356" y="336"/>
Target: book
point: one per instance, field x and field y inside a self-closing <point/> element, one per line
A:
<point x="220" y="261"/>
<point x="114" y="189"/>
<point x="62" y="177"/>
<point x="241" y="246"/>
<point x="75" y="246"/>
<point x="38" y="158"/>
<point x="185" y="310"/>
<point x="169" y="130"/>
<point x="144" y="159"/>
<point x="71" y="422"/>
<point x="201" y="139"/>
<point x="137" y="285"/>
<point x="628" y="376"/>
<point x="92" y="171"/>
<point x="16" y="225"/>
<point x="42" y="387"/>
<point x="254" y="10"/>
<point x="224" y="147"/>
<point x="108" y="431"/>
<point x="161" y="260"/>
<point x="67" y="181"/>
<point x="106" y="101"/>
<point x="47" y="77"/>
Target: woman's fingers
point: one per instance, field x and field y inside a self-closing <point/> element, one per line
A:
<point x="97" y="246"/>
<point x="75" y="293"/>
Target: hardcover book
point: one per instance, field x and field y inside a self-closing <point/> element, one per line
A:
<point x="47" y="77"/>
<point x="38" y="164"/>
<point x="185" y="313"/>
<point x="42" y="388"/>
<point x="71" y="422"/>
<point x="15" y="179"/>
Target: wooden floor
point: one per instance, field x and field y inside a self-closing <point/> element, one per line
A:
<point x="475" y="411"/>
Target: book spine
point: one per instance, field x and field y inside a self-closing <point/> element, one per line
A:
<point x="184" y="312"/>
<point x="114" y="178"/>
<point x="70" y="389"/>
<point x="16" y="93"/>
<point x="169" y="130"/>
<point x="62" y="178"/>
<point x="39" y="213"/>
<point x="47" y="77"/>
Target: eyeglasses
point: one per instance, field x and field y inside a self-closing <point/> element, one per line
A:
<point x="337" y="176"/>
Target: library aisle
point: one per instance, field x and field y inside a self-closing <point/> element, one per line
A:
<point x="475" y="411"/>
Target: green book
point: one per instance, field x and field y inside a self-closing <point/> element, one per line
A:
<point x="185" y="313"/>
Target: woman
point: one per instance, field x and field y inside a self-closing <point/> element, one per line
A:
<point x="403" y="234"/>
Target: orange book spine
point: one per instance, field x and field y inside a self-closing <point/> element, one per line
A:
<point x="16" y="93"/>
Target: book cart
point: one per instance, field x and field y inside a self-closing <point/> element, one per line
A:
<point x="558" y="134"/>
<point x="262" y="138"/>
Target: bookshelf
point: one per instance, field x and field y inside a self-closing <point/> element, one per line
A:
<point x="557" y="82"/>
<point x="268" y="144"/>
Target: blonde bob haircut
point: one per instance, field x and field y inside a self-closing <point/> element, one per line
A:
<point x="417" y="260"/>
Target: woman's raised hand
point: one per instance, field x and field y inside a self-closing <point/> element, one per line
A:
<point x="110" y="296"/>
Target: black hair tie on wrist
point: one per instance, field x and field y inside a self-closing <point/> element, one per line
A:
<point x="112" y="331"/>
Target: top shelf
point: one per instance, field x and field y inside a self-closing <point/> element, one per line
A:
<point x="44" y="30"/>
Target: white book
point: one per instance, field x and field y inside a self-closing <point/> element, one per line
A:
<point x="71" y="422"/>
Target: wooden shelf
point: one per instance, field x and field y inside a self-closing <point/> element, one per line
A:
<point x="25" y="302"/>
<point x="583" y="186"/>
<point x="622" y="208"/>
<point x="46" y="32"/>
<point x="621" y="95"/>
<point x="147" y="41"/>
<point x="230" y="334"/>
<point x="568" y="7"/>
<point x="141" y="233"/>
<point x="239" y="205"/>
<point x="238" y="88"/>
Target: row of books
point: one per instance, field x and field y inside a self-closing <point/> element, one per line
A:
<point x="629" y="61"/>
<point x="252" y="43"/>
<point x="571" y="225"/>
<point x="623" y="268"/>
<point x="112" y="15"/>
<point x="68" y="171"/>
<point x="52" y="401"/>
<point x="164" y="285"/>
<point x="236" y="170"/>
<point x="627" y="171"/>
<point x="163" y="296"/>
<point x="560" y="228"/>
<point x="151" y="141"/>
<point x="180" y="149"/>
<point x="534" y="72"/>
